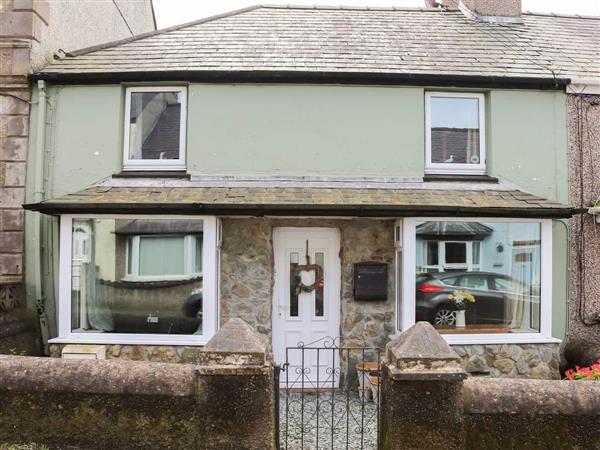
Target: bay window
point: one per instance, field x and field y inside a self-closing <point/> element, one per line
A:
<point x="137" y="279"/>
<point x="494" y="273"/>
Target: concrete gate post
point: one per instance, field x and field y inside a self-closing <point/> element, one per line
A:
<point x="236" y="384"/>
<point x="421" y="398"/>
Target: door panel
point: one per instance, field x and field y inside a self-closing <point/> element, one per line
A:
<point x="306" y="301"/>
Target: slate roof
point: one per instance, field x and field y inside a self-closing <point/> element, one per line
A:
<point x="354" y="40"/>
<point x="187" y="197"/>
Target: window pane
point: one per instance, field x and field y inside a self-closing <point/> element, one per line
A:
<point x="294" y="284"/>
<point x="474" y="282"/>
<point x="456" y="253"/>
<point x="476" y="253"/>
<point x="162" y="255"/>
<point x="198" y="256"/>
<point x="319" y="286"/>
<point x="154" y="125"/>
<point x="432" y="253"/>
<point x="454" y="130"/>
<point x="105" y="298"/>
<point x="504" y="276"/>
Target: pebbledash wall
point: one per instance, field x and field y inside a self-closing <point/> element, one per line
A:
<point x="584" y="150"/>
<point x="246" y="293"/>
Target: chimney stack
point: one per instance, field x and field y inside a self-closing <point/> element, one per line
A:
<point x="492" y="11"/>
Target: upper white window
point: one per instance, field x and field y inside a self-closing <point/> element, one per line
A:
<point x="455" y="133"/>
<point x="505" y="264"/>
<point x="155" y="122"/>
<point x="138" y="279"/>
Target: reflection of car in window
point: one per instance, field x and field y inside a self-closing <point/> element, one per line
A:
<point x="492" y="293"/>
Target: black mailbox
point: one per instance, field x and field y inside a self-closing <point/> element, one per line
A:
<point x="370" y="281"/>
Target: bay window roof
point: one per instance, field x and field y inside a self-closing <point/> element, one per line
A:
<point x="359" y="199"/>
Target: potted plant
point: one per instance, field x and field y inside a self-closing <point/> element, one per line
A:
<point x="460" y="299"/>
<point x="595" y="210"/>
<point x="584" y="373"/>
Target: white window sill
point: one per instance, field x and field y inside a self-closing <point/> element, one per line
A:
<point x="491" y="339"/>
<point x="101" y="339"/>
<point x="147" y="279"/>
<point x="455" y="171"/>
<point x="153" y="168"/>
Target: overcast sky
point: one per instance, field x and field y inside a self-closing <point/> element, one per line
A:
<point x="173" y="12"/>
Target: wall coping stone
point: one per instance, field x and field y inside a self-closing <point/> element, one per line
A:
<point x="420" y="353"/>
<point x="237" y="344"/>
<point x="118" y="377"/>
<point x="526" y="396"/>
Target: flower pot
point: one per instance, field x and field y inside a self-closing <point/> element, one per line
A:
<point x="460" y="318"/>
<point x="374" y="381"/>
<point x="363" y="370"/>
<point x="365" y="394"/>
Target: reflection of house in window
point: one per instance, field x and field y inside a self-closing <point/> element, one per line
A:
<point x="154" y="250"/>
<point x="137" y="276"/>
<point x="450" y="246"/>
<point x="155" y="120"/>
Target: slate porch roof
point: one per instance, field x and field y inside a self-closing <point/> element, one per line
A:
<point x="401" y="199"/>
<point x="343" y="40"/>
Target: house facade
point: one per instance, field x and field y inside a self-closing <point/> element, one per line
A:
<point x="341" y="185"/>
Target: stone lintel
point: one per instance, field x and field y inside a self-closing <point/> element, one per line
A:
<point x="235" y="344"/>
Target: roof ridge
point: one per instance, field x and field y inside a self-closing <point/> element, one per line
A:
<point x="137" y="37"/>
<point x="567" y="16"/>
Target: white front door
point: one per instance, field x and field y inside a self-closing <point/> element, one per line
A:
<point x="306" y="304"/>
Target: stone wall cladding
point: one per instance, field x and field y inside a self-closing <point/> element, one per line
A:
<point x="511" y="360"/>
<point x="153" y="353"/>
<point x="584" y="151"/>
<point x="247" y="274"/>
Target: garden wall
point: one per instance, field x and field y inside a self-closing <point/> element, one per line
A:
<point x="442" y="408"/>
<point x="227" y="401"/>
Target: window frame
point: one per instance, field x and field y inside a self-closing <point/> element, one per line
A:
<point x="407" y="307"/>
<point x="210" y="287"/>
<point x="189" y="258"/>
<point x="155" y="164"/>
<point x="455" y="168"/>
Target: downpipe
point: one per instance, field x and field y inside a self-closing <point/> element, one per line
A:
<point x="38" y="196"/>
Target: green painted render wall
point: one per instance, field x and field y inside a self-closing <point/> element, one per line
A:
<point x="347" y="131"/>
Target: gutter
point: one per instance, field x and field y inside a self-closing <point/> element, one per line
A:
<point x="306" y="77"/>
<point x="38" y="196"/>
<point x="298" y="210"/>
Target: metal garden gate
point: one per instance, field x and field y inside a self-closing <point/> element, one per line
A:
<point x="329" y="396"/>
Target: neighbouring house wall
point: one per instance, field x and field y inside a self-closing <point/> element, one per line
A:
<point x="31" y="31"/>
<point x="584" y="164"/>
